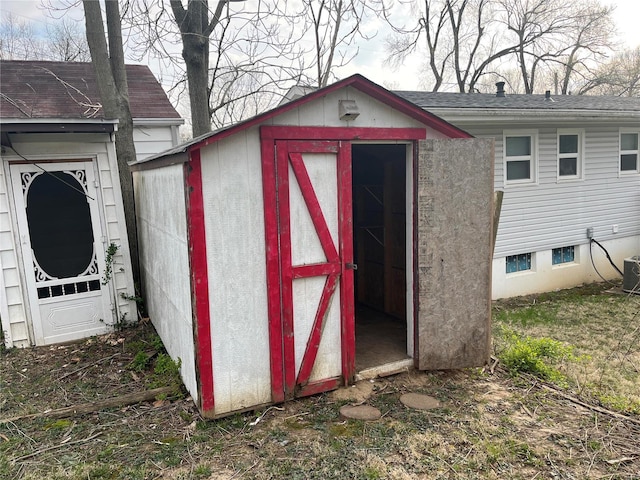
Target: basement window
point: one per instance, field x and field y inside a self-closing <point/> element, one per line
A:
<point x="563" y="255"/>
<point x="628" y="151"/>
<point x="518" y="263"/>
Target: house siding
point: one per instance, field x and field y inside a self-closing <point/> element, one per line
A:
<point x="113" y="214"/>
<point x="99" y="147"/>
<point x="551" y="213"/>
<point x="164" y="263"/>
<point x="152" y="140"/>
<point x="13" y="310"/>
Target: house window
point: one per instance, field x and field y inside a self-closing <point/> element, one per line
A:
<point x="520" y="156"/>
<point x="518" y="263"/>
<point x="562" y="255"/>
<point x="629" y="151"/>
<point x="570" y="154"/>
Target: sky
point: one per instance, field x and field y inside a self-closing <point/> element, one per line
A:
<point x="371" y="55"/>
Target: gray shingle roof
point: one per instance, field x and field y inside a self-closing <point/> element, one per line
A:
<point x="428" y="100"/>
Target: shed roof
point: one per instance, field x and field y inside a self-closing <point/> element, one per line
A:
<point x="522" y="102"/>
<point x="68" y="90"/>
<point x="356" y="81"/>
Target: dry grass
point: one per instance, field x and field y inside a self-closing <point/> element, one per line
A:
<point x="604" y="327"/>
<point x="490" y="425"/>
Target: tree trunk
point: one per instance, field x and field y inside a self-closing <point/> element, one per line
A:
<point x="112" y="84"/>
<point x="195" y="29"/>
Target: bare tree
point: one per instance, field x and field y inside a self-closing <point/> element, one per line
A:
<point x="432" y="25"/>
<point x="466" y="40"/>
<point x="620" y="76"/>
<point x="67" y="42"/>
<point x="196" y="25"/>
<point x="64" y="41"/>
<point x="111" y="76"/>
<point x="462" y="41"/>
<point x="336" y="26"/>
<point x="566" y="36"/>
<point x="230" y="54"/>
<point x="589" y="42"/>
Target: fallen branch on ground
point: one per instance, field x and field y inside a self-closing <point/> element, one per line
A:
<point x="83" y="408"/>
<point x="595" y="408"/>
<point x="43" y="450"/>
<point x="87" y="366"/>
<point x="538" y="381"/>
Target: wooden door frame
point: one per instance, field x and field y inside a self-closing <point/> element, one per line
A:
<point x="268" y="137"/>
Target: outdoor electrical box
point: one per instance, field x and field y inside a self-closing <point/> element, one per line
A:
<point x="631" y="277"/>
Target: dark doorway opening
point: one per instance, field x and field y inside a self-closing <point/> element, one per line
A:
<point x="379" y="218"/>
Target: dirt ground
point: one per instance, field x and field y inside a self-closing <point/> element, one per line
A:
<point x="490" y="425"/>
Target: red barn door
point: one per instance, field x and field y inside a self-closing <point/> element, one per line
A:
<point x="310" y="254"/>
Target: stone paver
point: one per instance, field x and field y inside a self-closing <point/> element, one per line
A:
<point x="360" y="412"/>
<point x="419" y="401"/>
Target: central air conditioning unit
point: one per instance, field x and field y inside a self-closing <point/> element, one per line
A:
<point x="631" y="278"/>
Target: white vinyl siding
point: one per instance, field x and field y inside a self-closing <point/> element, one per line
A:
<point x="543" y="216"/>
<point x="629" y="150"/>
<point x="150" y="140"/>
<point x="520" y="156"/>
<point x="570" y="154"/>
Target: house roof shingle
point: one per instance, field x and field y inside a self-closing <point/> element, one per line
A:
<point x="428" y="100"/>
<point x="68" y="90"/>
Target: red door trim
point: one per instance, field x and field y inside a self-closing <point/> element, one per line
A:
<point x="199" y="281"/>
<point x="348" y="339"/>
<point x="340" y="133"/>
<point x="286" y="270"/>
<point x="316" y="270"/>
<point x="267" y="148"/>
<point x="319" y="387"/>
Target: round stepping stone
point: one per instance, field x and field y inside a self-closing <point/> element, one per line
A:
<point x="419" y="401"/>
<point x="360" y="412"/>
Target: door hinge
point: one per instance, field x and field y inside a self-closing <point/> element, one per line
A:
<point x="103" y="239"/>
<point x="351" y="266"/>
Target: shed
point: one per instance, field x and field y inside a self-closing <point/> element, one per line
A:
<point x="344" y="234"/>
<point x="61" y="206"/>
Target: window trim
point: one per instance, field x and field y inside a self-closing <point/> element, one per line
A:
<point x="621" y="152"/>
<point x="579" y="154"/>
<point x="532" y="158"/>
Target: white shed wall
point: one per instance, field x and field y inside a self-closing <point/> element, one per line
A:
<point x="235" y="241"/>
<point x="164" y="263"/>
<point x="60" y="147"/>
<point x="551" y="214"/>
<point x="373" y="113"/>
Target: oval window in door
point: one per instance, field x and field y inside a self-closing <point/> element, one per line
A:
<point x="59" y="224"/>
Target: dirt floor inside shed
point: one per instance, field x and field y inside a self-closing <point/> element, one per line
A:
<point x="489" y="425"/>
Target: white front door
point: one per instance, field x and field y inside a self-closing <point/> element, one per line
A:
<point x="60" y="236"/>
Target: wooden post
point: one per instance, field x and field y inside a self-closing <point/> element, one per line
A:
<point x="497" y="208"/>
